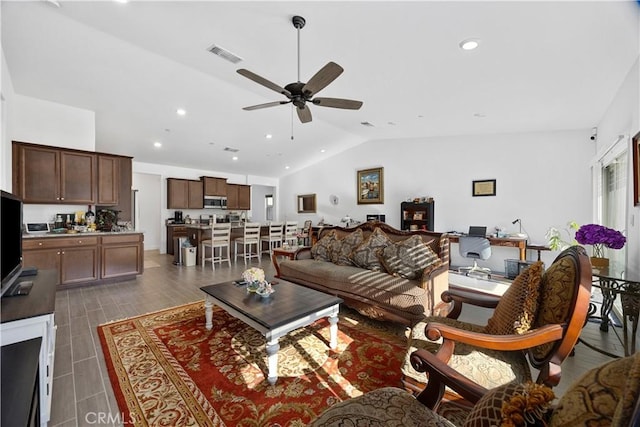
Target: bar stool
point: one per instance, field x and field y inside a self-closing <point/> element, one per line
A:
<point x="221" y="240"/>
<point x="291" y="232"/>
<point x="250" y="237"/>
<point x="274" y="239"/>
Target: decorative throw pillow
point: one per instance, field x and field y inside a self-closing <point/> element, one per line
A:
<point x="605" y="395"/>
<point x="409" y="258"/>
<point x="518" y="306"/>
<point x="507" y="404"/>
<point x="322" y="249"/>
<point x="341" y="248"/>
<point x="366" y="254"/>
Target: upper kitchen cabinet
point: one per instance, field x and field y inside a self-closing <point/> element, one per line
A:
<point x="196" y="195"/>
<point x="238" y="196"/>
<point x="108" y="180"/>
<point x="49" y="175"/>
<point x="115" y="176"/>
<point x="184" y="194"/>
<point x="214" y="186"/>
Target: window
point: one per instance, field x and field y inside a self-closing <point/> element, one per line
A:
<point x="268" y="203"/>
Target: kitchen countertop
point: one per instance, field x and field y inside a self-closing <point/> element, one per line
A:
<point x="92" y="233"/>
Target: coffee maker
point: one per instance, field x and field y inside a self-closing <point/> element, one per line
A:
<point x="177" y="217"/>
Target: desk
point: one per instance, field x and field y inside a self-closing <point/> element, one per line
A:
<point x="614" y="281"/>
<point x="512" y="242"/>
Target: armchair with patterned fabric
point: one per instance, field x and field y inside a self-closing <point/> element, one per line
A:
<point x="604" y="396"/>
<point x="534" y="325"/>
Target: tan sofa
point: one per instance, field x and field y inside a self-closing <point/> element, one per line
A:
<point x="342" y="262"/>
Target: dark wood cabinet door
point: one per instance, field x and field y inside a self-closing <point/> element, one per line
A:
<point x="36" y="174"/>
<point x="78" y="265"/>
<point x="196" y="195"/>
<point x="78" y="173"/>
<point x="108" y="180"/>
<point x="121" y="256"/>
<point x="244" y="197"/>
<point x="232" y="196"/>
<point x="214" y="186"/>
<point x="46" y="259"/>
<point x="177" y="193"/>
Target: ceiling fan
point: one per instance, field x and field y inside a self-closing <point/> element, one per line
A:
<point x="299" y="93"/>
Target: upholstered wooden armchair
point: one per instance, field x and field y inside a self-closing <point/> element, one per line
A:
<point x="606" y="395"/>
<point x="535" y="324"/>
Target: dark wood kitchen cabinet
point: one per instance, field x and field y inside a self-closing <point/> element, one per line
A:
<point x="51" y="176"/>
<point x="214" y="186"/>
<point x="184" y="194"/>
<point x="87" y="259"/>
<point x="121" y="255"/>
<point x="238" y="196"/>
<point x="174" y="231"/>
<point x="108" y="180"/>
<point x="75" y="258"/>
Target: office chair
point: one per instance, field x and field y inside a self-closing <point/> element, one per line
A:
<point x="477" y="248"/>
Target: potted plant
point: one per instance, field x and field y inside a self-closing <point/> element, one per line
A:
<point x="600" y="237"/>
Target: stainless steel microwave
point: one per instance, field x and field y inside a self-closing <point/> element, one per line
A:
<point x="215" y="202"/>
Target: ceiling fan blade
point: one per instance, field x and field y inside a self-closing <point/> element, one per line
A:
<point x="268" y="104"/>
<point x="322" y="78"/>
<point x="347" y="104"/>
<point x="264" y="82"/>
<point x="304" y="114"/>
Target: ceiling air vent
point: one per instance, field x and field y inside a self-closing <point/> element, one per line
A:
<point x="224" y="53"/>
<point x="232" y="150"/>
<point x="367" y="124"/>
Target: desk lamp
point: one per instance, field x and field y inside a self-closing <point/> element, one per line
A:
<point x="520" y="234"/>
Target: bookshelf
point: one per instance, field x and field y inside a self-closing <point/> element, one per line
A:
<point x="419" y="215"/>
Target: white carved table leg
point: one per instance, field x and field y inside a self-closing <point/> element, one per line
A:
<point x="333" y="331"/>
<point x="208" y="312"/>
<point x="272" y="360"/>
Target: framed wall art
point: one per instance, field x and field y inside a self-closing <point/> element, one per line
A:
<point x="371" y="186"/>
<point x="635" y="144"/>
<point x="484" y="187"/>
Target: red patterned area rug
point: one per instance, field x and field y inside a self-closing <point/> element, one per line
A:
<point x="167" y="369"/>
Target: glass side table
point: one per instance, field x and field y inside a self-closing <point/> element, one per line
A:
<point x="614" y="281"/>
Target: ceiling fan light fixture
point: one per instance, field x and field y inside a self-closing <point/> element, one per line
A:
<point x="469" y="44"/>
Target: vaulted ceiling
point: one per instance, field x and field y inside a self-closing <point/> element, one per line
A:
<point x="540" y="66"/>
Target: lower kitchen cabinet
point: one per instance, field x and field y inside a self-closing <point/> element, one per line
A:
<point x="86" y="259"/>
<point x="76" y="259"/>
<point x="122" y="255"/>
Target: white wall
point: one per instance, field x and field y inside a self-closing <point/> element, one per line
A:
<point x="258" y="208"/>
<point x="48" y="123"/>
<point x="6" y="94"/>
<point x="542" y="178"/>
<point x="148" y="196"/>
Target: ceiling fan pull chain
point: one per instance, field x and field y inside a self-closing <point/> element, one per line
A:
<point x="292" y="107"/>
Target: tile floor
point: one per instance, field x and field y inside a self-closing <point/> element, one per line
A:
<point x="81" y="388"/>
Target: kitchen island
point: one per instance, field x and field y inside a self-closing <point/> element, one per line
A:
<point x="196" y="233"/>
<point x="89" y="258"/>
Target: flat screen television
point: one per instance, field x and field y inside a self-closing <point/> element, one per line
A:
<point x="11" y="239"/>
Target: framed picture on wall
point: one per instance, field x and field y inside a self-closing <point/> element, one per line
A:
<point x="484" y="187"/>
<point x="371" y="186"/>
<point x="636" y="169"/>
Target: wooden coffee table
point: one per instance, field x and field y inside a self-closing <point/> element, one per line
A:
<point x="290" y="307"/>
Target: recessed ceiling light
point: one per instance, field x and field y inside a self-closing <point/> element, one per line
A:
<point x="286" y="167"/>
<point x="157" y="144"/>
<point x="121" y="1"/>
<point x="181" y="112"/>
<point x="234" y="158"/>
<point x="323" y="150"/>
<point x="469" y="44"/>
<point x="268" y="136"/>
